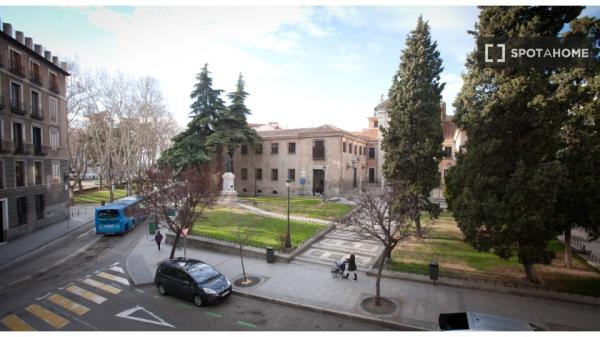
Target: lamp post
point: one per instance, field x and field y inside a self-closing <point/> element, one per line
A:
<point x="288" y="241"/>
<point x="323" y="192"/>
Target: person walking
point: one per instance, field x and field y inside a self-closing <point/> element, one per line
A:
<point x="351" y="266"/>
<point x="158" y="238"/>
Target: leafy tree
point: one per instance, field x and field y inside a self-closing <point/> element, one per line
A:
<point x="577" y="94"/>
<point x="505" y="188"/>
<point x="413" y="140"/>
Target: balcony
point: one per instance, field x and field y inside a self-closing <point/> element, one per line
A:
<point x="1" y="61"/>
<point x="39" y="150"/>
<point x="54" y="88"/>
<point x="16" y="68"/>
<point x="34" y="77"/>
<point x="16" y="109"/>
<point x="22" y="148"/>
<point x="2" y="105"/>
<point x="5" y="146"/>
<point x="36" y="113"/>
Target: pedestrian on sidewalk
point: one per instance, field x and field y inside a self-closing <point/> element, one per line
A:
<point x="158" y="238"/>
<point x="351" y="266"/>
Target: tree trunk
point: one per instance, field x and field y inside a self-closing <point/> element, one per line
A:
<point x="418" y="224"/>
<point x="568" y="258"/>
<point x="172" y="256"/>
<point x="242" y="260"/>
<point x="530" y="272"/>
<point x="80" y="185"/>
<point x="100" y="181"/>
<point x="378" y="281"/>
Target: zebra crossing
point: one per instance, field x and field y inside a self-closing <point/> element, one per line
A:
<point x="76" y="298"/>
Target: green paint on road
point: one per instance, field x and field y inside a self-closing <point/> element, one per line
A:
<point x="213" y="314"/>
<point x="250" y="325"/>
<point x="139" y="291"/>
<point x="184" y="305"/>
<point x="158" y="297"/>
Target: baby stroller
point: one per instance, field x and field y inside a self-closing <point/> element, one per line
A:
<point x="340" y="267"/>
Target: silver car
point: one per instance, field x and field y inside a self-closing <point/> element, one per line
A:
<point x="482" y="322"/>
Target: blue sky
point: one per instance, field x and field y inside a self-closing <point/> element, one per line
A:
<point x="303" y="66"/>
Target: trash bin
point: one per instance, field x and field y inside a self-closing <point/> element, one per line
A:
<point x="270" y="255"/>
<point x="433" y="271"/>
<point x="102" y="203"/>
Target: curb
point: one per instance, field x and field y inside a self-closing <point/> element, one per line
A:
<point x="377" y="321"/>
<point x="43" y="245"/>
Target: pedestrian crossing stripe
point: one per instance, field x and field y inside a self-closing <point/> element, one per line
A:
<point x="117" y="269"/>
<point x="112" y="277"/>
<point x="88" y="295"/>
<point x="14" y="323"/>
<point x="47" y="316"/>
<point x="102" y="286"/>
<point x="68" y="304"/>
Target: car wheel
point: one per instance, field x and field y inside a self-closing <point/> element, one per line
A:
<point x="198" y="300"/>
<point x="161" y="290"/>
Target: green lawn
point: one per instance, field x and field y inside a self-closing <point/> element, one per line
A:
<point x="220" y="223"/>
<point x="301" y="206"/>
<point x="96" y="197"/>
<point x="444" y="244"/>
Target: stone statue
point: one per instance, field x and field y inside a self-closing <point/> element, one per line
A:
<point x="228" y="163"/>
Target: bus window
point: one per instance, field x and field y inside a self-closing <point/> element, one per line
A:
<point x="108" y="214"/>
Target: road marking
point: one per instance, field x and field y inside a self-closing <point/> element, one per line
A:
<point x="47" y="316"/>
<point x="88" y="295"/>
<point x="158" y="321"/>
<point x="158" y="297"/>
<point x="102" y="286"/>
<point x="78" y="251"/>
<point x="14" y="323"/>
<point x="184" y="305"/>
<point x="214" y="314"/>
<point x="117" y="269"/>
<point x="114" y="264"/>
<point x="19" y="280"/>
<point x="68" y="304"/>
<point x="42" y="297"/>
<point x="250" y="325"/>
<point x="140" y="291"/>
<point x="112" y="277"/>
<point x="68" y="284"/>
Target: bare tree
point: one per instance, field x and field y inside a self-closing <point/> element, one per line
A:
<point x="243" y="234"/>
<point x="188" y="194"/>
<point x="385" y="218"/>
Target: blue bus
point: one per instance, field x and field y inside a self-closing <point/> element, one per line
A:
<point x="119" y="216"/>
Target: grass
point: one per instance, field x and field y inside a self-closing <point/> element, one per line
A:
<point x="301" y="206"/>
<point x="443" y="243"/>
<point x="220" y="223"/>
<point x="96" y="197"/>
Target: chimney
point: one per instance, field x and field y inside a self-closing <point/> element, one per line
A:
<point x="29" y="42"/>
<point x="38" y="48"/>
<point x="443" y="110"/>
<point x="7" y="28"/>
<point x="63" y="65"/>
<point x="55" y="60"/>
<point x="20" y="37"/>
<point x="48" y="55"/>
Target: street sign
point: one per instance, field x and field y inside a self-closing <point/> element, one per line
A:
<point x="185" y="231"/>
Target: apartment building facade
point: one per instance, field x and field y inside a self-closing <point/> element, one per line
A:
<point x="33" y="136"/>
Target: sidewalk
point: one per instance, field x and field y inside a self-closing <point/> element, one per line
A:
<point x="418" y="304"/>
<point x="12" y="250"/>
<point x="262" y="212"/>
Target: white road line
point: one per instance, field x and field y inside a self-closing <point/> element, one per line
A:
<point x="117" y="269"/>
<point x="112" y="277"/>
<point x="157" y="320"/>
<point x="19" y="280"/>
<point x="41" y="298"/>
<point x="65" y="286"/>
<point x="114" y="264"/>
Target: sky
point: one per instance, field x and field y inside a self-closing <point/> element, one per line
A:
<point x="303" y="66"/>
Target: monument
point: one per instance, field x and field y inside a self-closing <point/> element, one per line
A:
<point x="228" y="194"/>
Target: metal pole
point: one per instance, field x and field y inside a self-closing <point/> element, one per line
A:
<point x="289" y="234"/>
<point x="184" y="246"/>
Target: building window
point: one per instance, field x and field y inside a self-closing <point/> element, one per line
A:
<point x="18" y="137"/>
<point x="15" y="62"/>
<point x="448" y="151"/>
<point x="244" y="149"/>
<point x="15" y="96"/>
<point x="22" y="210"/>
<point x="355" y="149"/>
<point x="244" y="174"/>
<point x="35" y="73"/>
<point x="36" y="133"/>
<point x="35" y="103"/>
<point x="375" y="124"/>
<point x="445" y="173"/>
<point x="360" y="150"/>
<point x="291" y="147"/>
<point x="259" y="149"/>
<point x="54" y="138"/>
<point x="371" y="152"/>
<point x="319" y="150"/>
<point x="53" y="110"/>
<point x="55" y="172"/>
<point x="37" y="173"/>
<point x="343" y="146"/>
<point x="371" y="175"/>
<point x="292" y="174"/>
<point x="274" y="148"/>
<point x="274" y="175"/>
<point x="19" y="173"/>
<point x="258" y="174"/>
<point x="350" y="148"/>
<point x="39" y="206"/>
<point x="53" y="82"/>
<point x="1" y="174"/>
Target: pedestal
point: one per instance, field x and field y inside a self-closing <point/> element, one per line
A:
<point x="228" y="194"/>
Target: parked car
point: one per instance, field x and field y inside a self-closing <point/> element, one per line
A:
<point x="191" y="279"/>
<point x="482" y="322"/>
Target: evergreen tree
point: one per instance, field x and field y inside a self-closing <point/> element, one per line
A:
<point x="578" y="95"/>
<point x="505" y="188"/>
<point x="231" y="130"/>
<point x="190" y="146"/>
<point x="413" y="140"/>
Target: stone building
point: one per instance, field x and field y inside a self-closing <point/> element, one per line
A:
<point x="33" y="136"/>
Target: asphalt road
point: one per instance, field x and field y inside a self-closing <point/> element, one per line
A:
<point x="80" y="283"/>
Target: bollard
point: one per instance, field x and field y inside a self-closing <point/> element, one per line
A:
<point x="433" y="271"/>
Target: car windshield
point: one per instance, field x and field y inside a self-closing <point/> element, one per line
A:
<point x="108" y="214"/>
<point x="203" y="273"/>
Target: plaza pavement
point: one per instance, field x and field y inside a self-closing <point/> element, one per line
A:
<point x="310" y="285"/>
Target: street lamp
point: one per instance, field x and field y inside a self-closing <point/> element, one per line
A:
<point x="288" y="241"/>
<point x="323" y="192"/>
